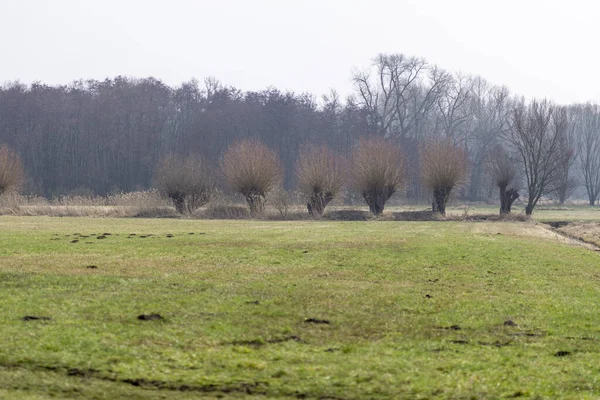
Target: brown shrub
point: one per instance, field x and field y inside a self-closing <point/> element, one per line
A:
<point x="188" y="181"/>
<point x="320" y="175"/>
<point x="12" y="174"/>
<point x="281" y="200"/>
<point x="443" y="166"/>
<point x="378" y="171"/>
<point x="251" y="168"/>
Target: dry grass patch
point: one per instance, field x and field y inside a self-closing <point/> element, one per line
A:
<point x="587" y="231"/>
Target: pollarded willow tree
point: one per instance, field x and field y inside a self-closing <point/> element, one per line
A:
<point x="320" y="176"/>
<point x="378" y="170"/>
<point x="586" y="120"/>
<point x="443" y="167"/>
<point x="252" y="169"/>
<point x="188" y="181"/>
<point x="538" y="134"/>
<point x="12" y="175"/>
<point x="502" y="170"/>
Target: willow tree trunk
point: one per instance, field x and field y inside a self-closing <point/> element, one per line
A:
<point x="256" y="202"/>
<point x="376" y="198"/>
<point x="440" y="198"/>
<point x="507" y="198"/>
<point x="178" y="200"/>
<point x="317" y="203"/>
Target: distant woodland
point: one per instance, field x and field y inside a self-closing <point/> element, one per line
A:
<point x="99" y="137"/>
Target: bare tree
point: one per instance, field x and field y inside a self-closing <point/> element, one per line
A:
<point x="399" y="92"/>
<point x="502" y="169"/>
<point x="566" y="181"/>
<point x="489" y="113"/>
<point x="443" y="166"/>
<point x="320" y="175"/>
<point x="251" y="168"/>
<point x="453" y="107"/>
<point x="378" y="171"/>
<point x="188" y="181"/>
<point x="538" y="134"/>
<point x="586" y="119"/>
<point x="12" y="175"/>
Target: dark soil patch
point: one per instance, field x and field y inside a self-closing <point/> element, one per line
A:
<point x="255" y="302"/>
<point x="510" y="323"/>
<point x="527" y="334"/>
<point x="106" y="234"/>
<point x="150" y="317"/>
<point x="428" y="296"/>
<point x="35" y="318"/>
<point x="74" y="241"/>
<point x="169" y="235"/>
<point x="451" y="328"/>
<point x="495" y="344"/>
<point x="459" y="341"/>
<point x="86" y="373"/>
<point x="101" y="237"/>
<point x="562" y="353"/>
<point x="241" y="387"/>
<point x="317" y="321"/>
<point x="332" y="349"/>
<point x="92" y="267"/>
<point x="244" y="387"/>
<point x="260" y="342"/>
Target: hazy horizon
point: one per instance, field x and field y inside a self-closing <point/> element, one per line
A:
<point x="535" y="48"/>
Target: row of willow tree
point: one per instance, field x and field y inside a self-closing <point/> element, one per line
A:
<point x="376" y="169"/>
<point x="105" y="136"/>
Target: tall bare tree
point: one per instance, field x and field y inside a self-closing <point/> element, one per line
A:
<point x="586" y="120"/>
<point x="399" y="93"/>
<point x="538" y="133"/>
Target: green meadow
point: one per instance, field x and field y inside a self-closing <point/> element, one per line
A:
<point x="295" y="309"/>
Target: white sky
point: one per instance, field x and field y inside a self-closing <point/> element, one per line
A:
<point x="536" y="48"/>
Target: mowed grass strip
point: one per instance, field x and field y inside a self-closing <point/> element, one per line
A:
<point x="311" y="309"/>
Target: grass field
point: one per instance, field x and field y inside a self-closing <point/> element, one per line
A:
<point x="301" y="309"/>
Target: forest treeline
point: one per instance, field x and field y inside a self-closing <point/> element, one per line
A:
<point x="106" y="136"/>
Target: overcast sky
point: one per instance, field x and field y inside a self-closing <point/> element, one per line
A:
<point x="535" y="47"/>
